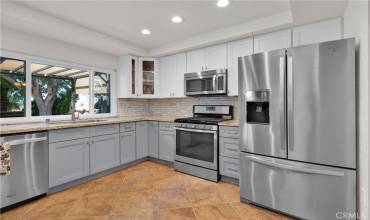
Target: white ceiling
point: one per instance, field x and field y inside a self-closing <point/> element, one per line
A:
<point x="93" y="23"/>
<point x="125" y="19"/>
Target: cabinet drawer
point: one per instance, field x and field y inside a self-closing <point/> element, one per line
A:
<point x="68" y="134"/>
<point x="104" y="130"/>
<point x="229" y="147"/>
<point x="166" y="125"/>
<point x="124" y="127"/>
<point x="229" y="167"/>
<point x="229" y="132"/>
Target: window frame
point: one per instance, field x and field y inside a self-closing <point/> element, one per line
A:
<point x="47" y="61"/>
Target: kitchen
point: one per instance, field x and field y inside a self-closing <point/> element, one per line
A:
<point x="187" y="111"/>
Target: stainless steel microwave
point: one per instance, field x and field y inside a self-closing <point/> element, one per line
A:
<point x="210" y="82"/>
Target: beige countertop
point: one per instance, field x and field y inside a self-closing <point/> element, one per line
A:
<point x="230" y="123"/>
<point x="43" y="126"/>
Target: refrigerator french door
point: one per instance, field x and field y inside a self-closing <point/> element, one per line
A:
<point x="298" y="129"/>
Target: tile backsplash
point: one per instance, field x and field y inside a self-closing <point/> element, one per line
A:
<point x="181" y="107"/>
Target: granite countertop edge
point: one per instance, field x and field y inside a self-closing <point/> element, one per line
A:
<point x="42" y="126"/>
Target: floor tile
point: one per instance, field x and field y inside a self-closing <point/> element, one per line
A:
<point x="131" y="202"/>
<point x="205" y="195"/>
<point x="229" y="192"/>
<point x="98" y="204"/>
<point x="147" y="190"/>
<point x="216" y="212"/>
<point x="175" y="214"/>
<point x="171" y="198"/>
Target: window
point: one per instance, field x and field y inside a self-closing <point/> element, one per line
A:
<point x="12" y="87"/>
<point x="52" y="90"/>
<point x="57" y="90"/>
<point x="101" y="92"/>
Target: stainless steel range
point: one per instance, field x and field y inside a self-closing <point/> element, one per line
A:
<point x="197" y="140"/>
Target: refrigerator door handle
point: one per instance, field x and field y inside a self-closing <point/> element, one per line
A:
<point x="290" y="103"/>
<point x="282" y="103"/>
<point x="295" y="169"/>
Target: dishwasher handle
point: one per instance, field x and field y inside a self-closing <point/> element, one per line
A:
<point x="26" y="141"/>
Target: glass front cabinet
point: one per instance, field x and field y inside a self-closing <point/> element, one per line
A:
<point x="140" y="75"/>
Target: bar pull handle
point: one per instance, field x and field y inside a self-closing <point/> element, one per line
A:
<point x="290" y="104"/>
<point x="282" y="103"/>
<point x="295" y="169"/>
<point x="26" y="141"/>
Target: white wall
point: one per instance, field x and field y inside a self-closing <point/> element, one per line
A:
<point x="356" y="25"/>
<point x="30" y="44"/>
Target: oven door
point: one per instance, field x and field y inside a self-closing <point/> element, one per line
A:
<point x="197" y="147"/>
<point x="200" y="85"/>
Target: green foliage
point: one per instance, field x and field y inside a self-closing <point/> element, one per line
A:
<point x="14" y="97"/>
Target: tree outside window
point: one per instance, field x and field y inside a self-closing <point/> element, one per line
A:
<point x="53" y="88"/>
<point x="12" y="87"/>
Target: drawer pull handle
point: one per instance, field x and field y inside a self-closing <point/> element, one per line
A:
<point x="233" y="170"/>
<point x="232" y="149"/>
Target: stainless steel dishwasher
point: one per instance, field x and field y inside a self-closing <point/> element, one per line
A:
<point x="29" y="169"/>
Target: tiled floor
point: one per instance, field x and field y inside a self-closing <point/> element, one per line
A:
<point x="144" y="191"/>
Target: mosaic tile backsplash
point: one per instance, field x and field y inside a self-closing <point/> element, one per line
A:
<point x="181" y="107"/>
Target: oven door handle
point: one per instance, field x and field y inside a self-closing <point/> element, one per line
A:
<point x="197" y="130"/>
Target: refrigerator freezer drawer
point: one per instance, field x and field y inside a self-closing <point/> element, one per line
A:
<point x="299" y="189"/>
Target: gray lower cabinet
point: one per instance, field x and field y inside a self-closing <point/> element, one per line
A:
<point x="142" y="149"/>
<point x="153" y="133"/>
<point x="229" y="167"/>
<point x="167" y="144"/>
<point x="104" y="152"/>
<point x="229" y="151"/>
<point x="68" y="161"/>
<point x="128" y="146"/>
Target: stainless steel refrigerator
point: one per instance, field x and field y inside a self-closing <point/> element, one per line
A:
<point x="298" y="129"/>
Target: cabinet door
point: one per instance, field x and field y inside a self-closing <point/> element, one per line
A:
<point x="180" y="70"/>
<point x="318" y="32"/>
<point x="142" y="140"/>
<point x="195" y="61"/>
<point x="127" y="71"/>
<point x="104" y="152"/>
<point x="166" y="76"/>
<point x="236" y="49"/>
<point x="148" y="77"/>
<point x="68" y="161"/>
<point x="128" y="146"/>
<point x="216" y="57"/>
<point x="153" y="138"/>
<point x="273" y="41"/>
<point x="167" y="145"/>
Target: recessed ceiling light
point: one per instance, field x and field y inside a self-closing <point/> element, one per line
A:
<point x="146" y="31"/>
<point x="176" y="19"/>
<point x="223" y="3"/>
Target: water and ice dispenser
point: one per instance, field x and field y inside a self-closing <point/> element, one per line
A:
<point x="258" y="107"/>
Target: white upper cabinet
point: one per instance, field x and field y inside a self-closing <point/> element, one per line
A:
<point x="166" y="76"/>
<point x="236" y="49"/>
<point x="209" y="58"/>
<point x="172" y="69"/>
<point x="196" y="60"/>
<point x="273" y="41"/>
<point x="148" y="77"/>
<point x="216" y="57"/>
<point x="180" y="70"/>
<point x="127" y="76"/>
<point x="318" y="32"/>
<point x="137" y="77"/>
